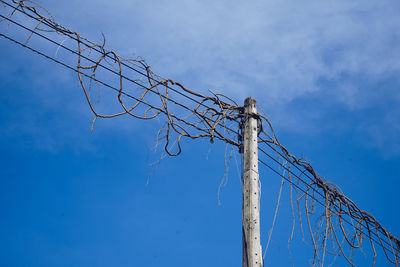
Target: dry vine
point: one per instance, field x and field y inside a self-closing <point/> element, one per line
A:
<point x="340" y="216"/>
<point x="209" y="117"/>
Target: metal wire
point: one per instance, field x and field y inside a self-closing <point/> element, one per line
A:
<point x="207" y="117"/>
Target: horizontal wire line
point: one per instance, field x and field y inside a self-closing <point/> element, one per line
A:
<point x="287" y="179"/>
<point x="133" y="81"/>
<point x="105" y="67"/>
<point x="107" y="55"/>
<point x="149" y="105"/>
<point x="97" y="80"/>
<point x="287" y="159"/>
<point x="298" y="177"/>
<point x="349" y="223"/>
<point x="307" y="175"/>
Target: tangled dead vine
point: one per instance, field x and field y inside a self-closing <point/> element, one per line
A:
<point x="207" y="118"/>
<point x="340" y="215"/>
<point x="341" y="226"/>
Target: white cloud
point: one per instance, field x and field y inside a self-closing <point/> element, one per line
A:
<point x="272" y="49"/>
<point x="276" y="51"/>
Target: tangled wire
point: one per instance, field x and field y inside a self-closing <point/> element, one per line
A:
<point x="208" y="117"/>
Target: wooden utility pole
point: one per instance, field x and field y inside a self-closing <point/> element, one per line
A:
<point x="252" y="253"/>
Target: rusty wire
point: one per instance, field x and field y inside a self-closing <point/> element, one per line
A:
<point x="208" y="117"/>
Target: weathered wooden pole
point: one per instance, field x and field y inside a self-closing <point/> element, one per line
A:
<point x="252" y="253"/>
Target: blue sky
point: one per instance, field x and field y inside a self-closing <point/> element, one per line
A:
<point x="325" y="73"/>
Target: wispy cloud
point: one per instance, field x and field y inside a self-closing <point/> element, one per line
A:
<point x="272" y="49"/>
<point x="277" y="51"/>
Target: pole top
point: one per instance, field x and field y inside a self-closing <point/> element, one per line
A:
<point x="250" y="101"/>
